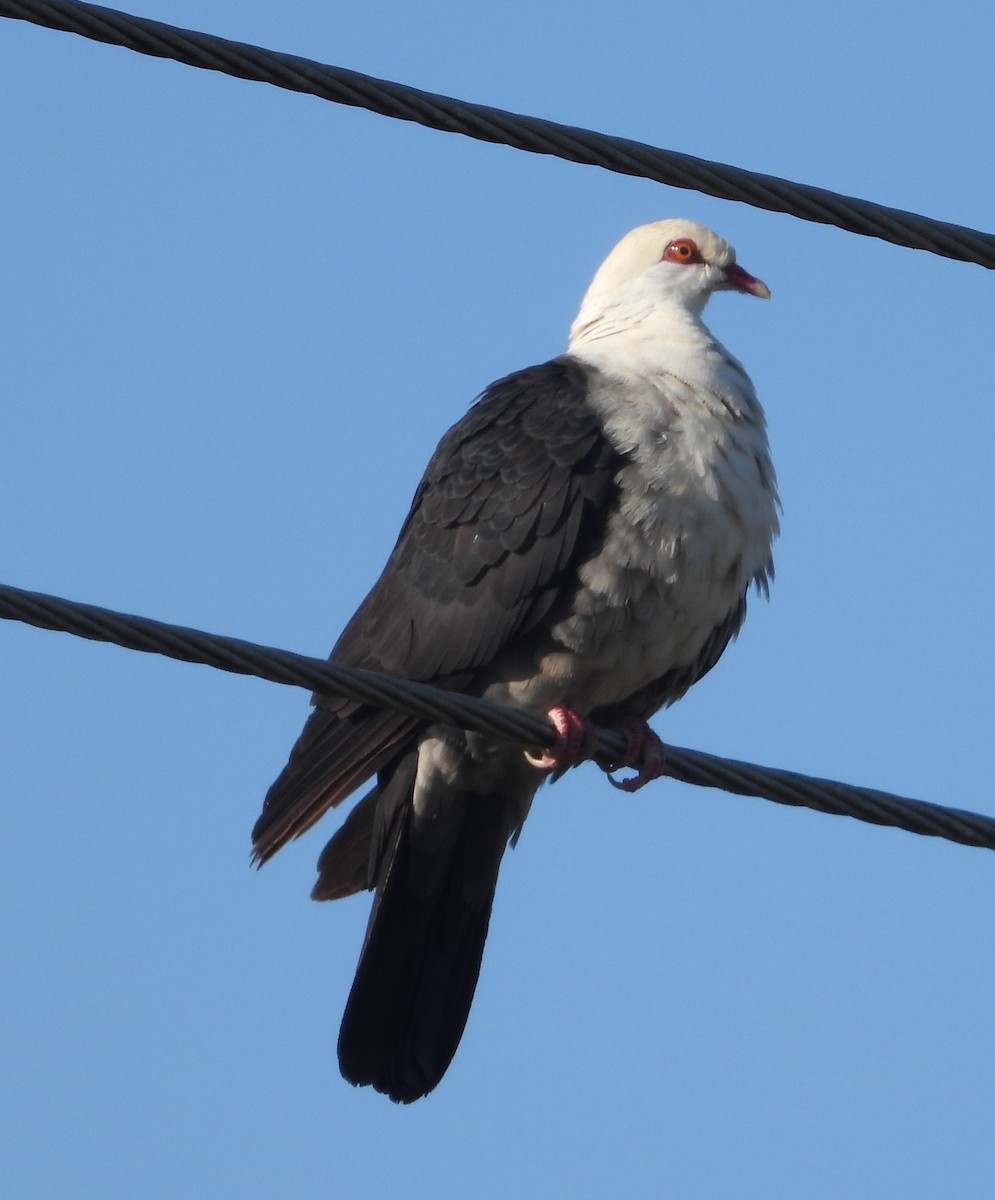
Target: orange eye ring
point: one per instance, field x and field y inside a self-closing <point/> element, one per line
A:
<point x="683" y="251"/>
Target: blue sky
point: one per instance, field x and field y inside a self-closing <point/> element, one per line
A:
<point x="235" y="323"/>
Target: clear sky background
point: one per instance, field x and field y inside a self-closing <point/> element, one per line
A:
<point x="235" y="321"/>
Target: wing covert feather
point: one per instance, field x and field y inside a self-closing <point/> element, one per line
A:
<point x="514" y="499"/>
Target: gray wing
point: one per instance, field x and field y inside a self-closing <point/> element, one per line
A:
<point x="514" y="499"/>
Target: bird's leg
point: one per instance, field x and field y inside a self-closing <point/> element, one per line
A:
<point x="575" y="741"/>
<point x="644" y="752"/>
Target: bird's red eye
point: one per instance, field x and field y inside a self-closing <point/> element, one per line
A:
<point x="683" y="250"/>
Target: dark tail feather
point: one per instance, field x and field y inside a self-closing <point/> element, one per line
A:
<point x="418" y="970"/>
<point x="344" y="866"/>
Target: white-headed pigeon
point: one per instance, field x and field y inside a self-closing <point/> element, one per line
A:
<point x="582" y="543"/>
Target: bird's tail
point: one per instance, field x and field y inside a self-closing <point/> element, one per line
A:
<point x="419" y="966"/>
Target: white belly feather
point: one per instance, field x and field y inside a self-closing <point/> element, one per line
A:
<point x="697" y="515"/>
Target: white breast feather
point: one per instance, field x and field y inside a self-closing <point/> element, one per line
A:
<point x="697" y="515"/>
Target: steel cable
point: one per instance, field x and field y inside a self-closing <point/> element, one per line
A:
<point x="541" y="137"/>
<point x="468" y="712"/>
<point x="531" y="134"/>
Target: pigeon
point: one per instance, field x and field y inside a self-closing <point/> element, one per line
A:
<point x="582" y="544"/>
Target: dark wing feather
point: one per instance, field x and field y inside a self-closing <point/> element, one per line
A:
<point x="514" y="499"/>
<point x="338" y="750"/>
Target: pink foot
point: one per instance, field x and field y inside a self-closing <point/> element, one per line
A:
<point x="645" y="753"/>
<point x="575" y="741"/>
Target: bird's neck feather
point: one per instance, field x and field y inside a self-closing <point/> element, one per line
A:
<point x="631" y="328"/>
<point x="660" y="342"/>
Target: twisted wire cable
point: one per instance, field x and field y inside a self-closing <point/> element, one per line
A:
<point x="531" y="134"/>
<point x="468" y="712"/>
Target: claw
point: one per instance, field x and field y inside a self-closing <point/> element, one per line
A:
<point x="645" y="753"/>
<point x="575" y="741"/>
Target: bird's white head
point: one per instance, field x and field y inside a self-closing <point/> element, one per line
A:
<point x="672" y="265"/>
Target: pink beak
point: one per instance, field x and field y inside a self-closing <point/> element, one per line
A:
<point x="743" y="281"/>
